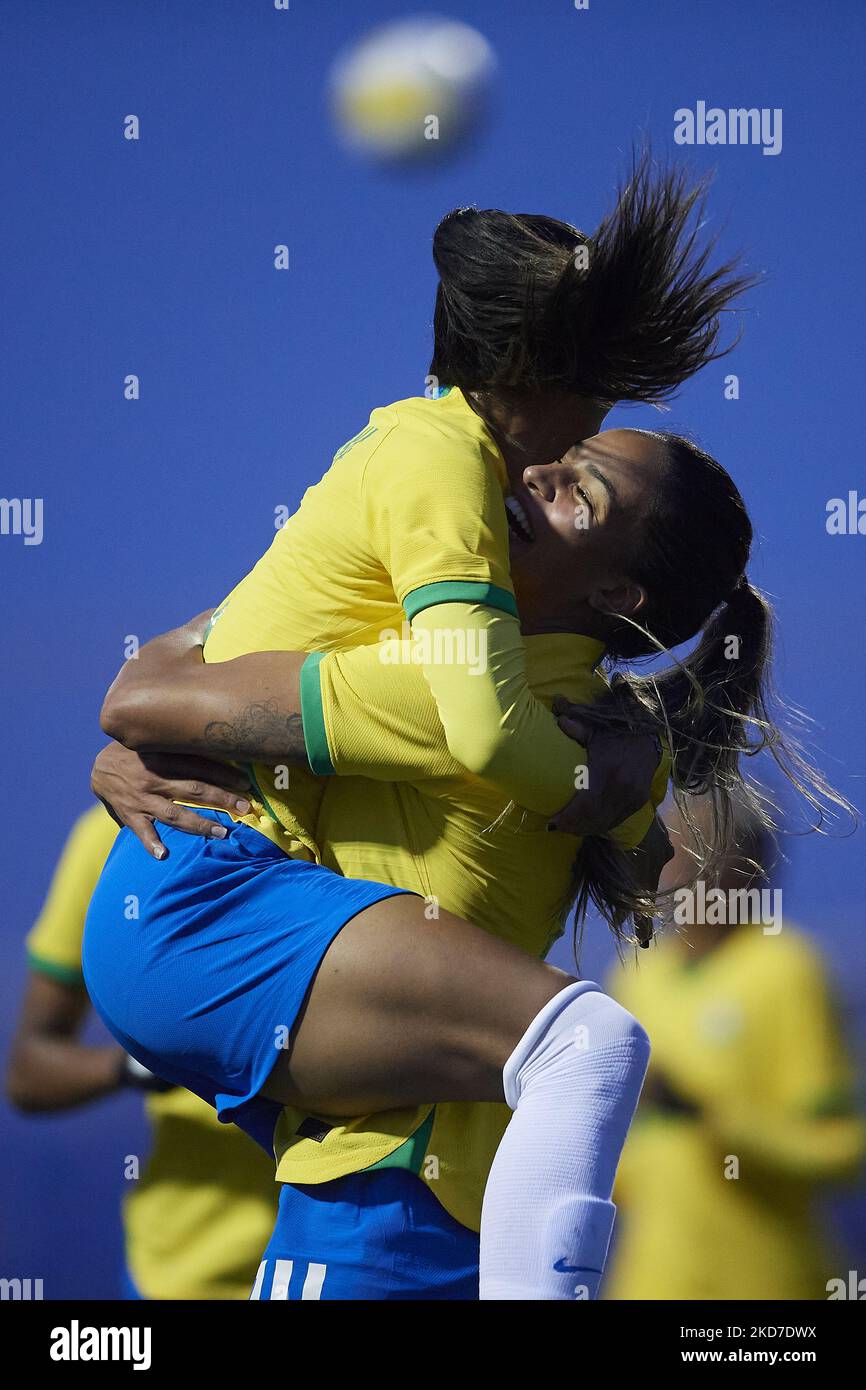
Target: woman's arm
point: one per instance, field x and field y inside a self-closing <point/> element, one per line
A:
<point x="49" y="1067"/>
<point x="169" y="699"/>
<point x="382" y="720"/>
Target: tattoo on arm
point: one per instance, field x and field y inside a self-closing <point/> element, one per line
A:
<point x="258" y="733"/>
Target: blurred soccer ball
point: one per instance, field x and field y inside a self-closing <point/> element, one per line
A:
<point x="411" y="88"/>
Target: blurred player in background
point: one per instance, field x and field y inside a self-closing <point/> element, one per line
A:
<point x="747" y="1112"/>
<point x="197" y="1219"/>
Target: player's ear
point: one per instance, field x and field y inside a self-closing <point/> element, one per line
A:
<point x="626" y="599"/>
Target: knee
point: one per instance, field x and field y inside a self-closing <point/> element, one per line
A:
<point x="585" y="1039"/>
<point x="598" y="1020"/>
<point x="622" y="1026"/>
<point x="610" y="1031"/>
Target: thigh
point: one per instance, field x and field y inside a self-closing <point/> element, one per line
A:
<point x="199" y="966"/>
<point x="403" y="1011"/>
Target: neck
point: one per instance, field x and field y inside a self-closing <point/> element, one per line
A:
<point x="582" y="621"/>
<point x="536" y="429"/>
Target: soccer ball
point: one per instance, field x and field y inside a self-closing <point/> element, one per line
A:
<point x="411" y="88"/>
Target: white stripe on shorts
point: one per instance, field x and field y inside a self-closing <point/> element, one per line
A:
<point x="314" y="1281"/>
<point x="282" y="1275"/>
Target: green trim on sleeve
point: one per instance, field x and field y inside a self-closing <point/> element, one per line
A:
<point x="66" y="974"/>
<point x="459" y="591"/>
<point x="836" y="1103"/>
<point x="313" y="716"/>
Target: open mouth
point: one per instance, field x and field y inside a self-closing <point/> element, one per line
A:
<point x="518" y="521"/>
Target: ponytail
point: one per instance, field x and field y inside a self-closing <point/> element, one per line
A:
<point x="712" y="709"/>
<point x="714" y="701"/>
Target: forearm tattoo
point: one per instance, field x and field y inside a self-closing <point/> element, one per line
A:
<point x="258" y="733"/>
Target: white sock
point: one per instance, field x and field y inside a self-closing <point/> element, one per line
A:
<point x="573" y="1082"/>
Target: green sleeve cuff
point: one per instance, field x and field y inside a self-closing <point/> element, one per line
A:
<point x="313" y="716"/>
<point x="66" y="974"/>
<point x="459" y="591"/>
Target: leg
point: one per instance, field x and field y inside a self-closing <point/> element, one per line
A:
<point x="403" y="1010"/>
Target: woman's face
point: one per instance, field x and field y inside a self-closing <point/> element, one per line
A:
<point x="575" y="525"/>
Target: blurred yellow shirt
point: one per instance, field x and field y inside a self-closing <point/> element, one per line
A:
<point x="198" y="1218"/>
<point x="720" y="1204"/>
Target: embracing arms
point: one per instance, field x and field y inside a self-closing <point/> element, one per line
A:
<point x="382" y="722"/>
<point x="255" y="708"/>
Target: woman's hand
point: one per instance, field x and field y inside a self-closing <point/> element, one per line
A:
<point x="139" y="788"/>
<point x="620" y="771"/>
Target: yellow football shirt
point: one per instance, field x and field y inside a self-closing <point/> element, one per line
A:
<point x="721" y="1204"/>
<point x="198" y="1218"/>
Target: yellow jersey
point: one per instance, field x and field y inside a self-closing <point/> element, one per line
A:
<point x="198" y="1218"/>
<point x="719" y="1204"/>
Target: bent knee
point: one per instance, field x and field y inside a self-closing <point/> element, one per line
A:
<point x="623" y="1026"/>
<point x="612" y="1030"/>
<point x="583" y="1024"/>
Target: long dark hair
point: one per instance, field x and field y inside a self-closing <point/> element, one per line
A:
<point x="529" y="303"/>
<point x="716" y="705"/>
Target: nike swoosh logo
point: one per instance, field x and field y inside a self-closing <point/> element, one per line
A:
<point x="562" y="1268"/>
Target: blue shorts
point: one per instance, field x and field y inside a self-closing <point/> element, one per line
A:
<point x="199" y="964"/>
<point x="375" y="1235"/>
